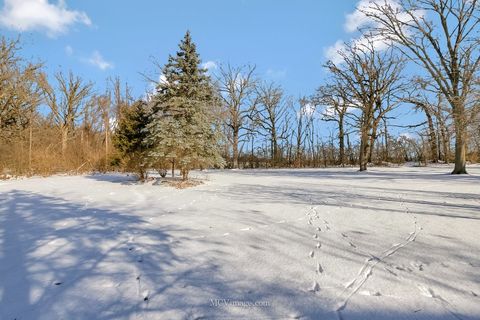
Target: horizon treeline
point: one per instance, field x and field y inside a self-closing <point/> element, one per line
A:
<point x="230" y="117"/>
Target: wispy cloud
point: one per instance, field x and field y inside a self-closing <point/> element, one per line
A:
<point x="210" y="65"/>
<point x="357" y="18"/>
<point x="54" y="19"/>
<point x="276" y="74"/>
<point x="353" y="22"/>
<point x="97" y="60"/>
<point x="332" y="53"/>
<point x="69" y="51"/>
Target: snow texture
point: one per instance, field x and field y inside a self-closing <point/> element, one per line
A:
<point x="391" y="243"/>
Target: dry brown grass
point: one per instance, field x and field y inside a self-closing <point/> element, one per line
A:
<point x="181" y="184"/>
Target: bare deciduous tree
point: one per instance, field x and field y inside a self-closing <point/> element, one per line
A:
<point x="370" y="79"/>
<point x="421" y="98"/>
<point x="66" y="104"/>
<point x="442" y="37"/>
<point x="334" y="97"/>
<point x="304" y="121"/>
<point x="237" y="89"/>
<point x="20" y="93"/>
<point x="104" y="103"/>
<point x="271" y="116"/>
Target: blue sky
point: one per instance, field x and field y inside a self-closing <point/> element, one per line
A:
<point x="286" y="40"/>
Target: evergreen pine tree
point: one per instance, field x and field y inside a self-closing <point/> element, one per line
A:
<point x="129" y="137"/>
<point x="181" y="129"/>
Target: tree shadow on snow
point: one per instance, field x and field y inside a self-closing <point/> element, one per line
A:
<point x="435" y="174"/>
<point x="52" y="251"/>
<point x="119" y="178"/>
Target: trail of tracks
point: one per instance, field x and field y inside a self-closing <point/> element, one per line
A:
<point x="366" y="270"/>
<point x="369" y="265"/>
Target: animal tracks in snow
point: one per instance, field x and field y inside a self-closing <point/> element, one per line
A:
<point x="367" y="269"/>
<point x="430" y="293"/>
<point x="137" y="254"/>
<point x="354" y="285"/>
<point x="313" y="220"/>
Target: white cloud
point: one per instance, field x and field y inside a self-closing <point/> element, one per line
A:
<point x="358" y="19"/>
<point x="308" y="110"/>
<point x="162" y="79"/>
<point x="333" y="52"/>
<point x="209" y="65"/>
<point x="407" y="135"/>
<point x="25" y="15"/>
<point x="97" y="60"/>
<point x="69" y="50"/>
<point x="330" y="111"/>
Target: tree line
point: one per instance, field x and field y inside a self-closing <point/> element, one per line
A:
<point x="230" y="117"/>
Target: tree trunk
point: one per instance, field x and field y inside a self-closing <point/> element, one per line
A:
<point x="387" y="153"/>
<point x="106" y="149"/>
<point x="184" y="174"/>
<point x="274" y="147"/>
<point x="341" y="142"/>
<point x="444" y="134"/>
<point x="460" y="149"/>
<point x="235" y="149"/>
<point x="252" y="165"/>
<point x="173" y="168"/>
<point x="445" y="143"/>
<point x="364" y="150"/>
<point x="30" y="139"/>
<point x="373" y="138"/>
<point x="460" y="138"/>
<point x="64" y="140"/>
<point x="432" y="137"/>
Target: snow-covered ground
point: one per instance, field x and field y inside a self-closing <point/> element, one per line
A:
<point x="400" y="243"/>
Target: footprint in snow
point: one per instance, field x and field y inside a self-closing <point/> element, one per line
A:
<point x="318" y="245"/>
<point x="146" y="295"/>
<point x="369" y="293"/>
<point x="416" y="264"/>
<point x="311" y="254"/>
<point x="427" y="292"/>
<point x="350" y="284"/>
<point x="319" y="268"/>
<point x="391" y="272"/>
<point x="315" y="287"/>
<point x="401" y="268"/>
